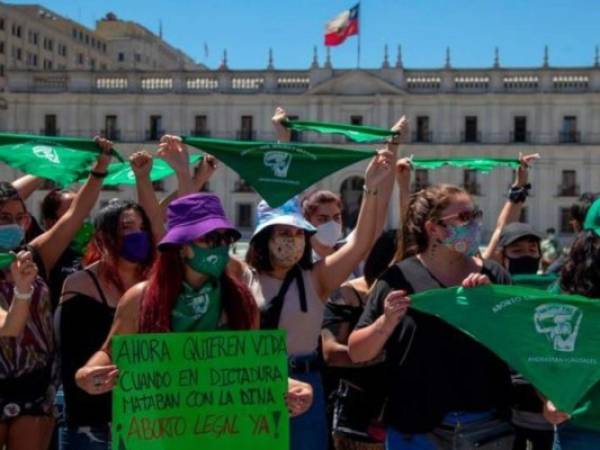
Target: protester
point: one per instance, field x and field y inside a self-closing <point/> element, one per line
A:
<point x="28" y="377"/>
<point x="14" y="313"/>
<point x="357" y="405"/>
<point x="444" y="389"/>
<point x="520" y="248"/>
<point x="291" y="290"/>
<point x="579" y="276"/>
<point x="123" y="249"/>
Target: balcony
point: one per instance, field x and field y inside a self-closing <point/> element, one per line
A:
<point x="419" y="137"/>
<point x="50" y="132"/>
<point x="154" y="135"/>
<point x="472" y="188"/>
<point x="111" y="134"/>
<point x="523" y="137"/>
<point x="470" y="137"/>
<point x="571" y="190"/>
<point x="569" y="137"/>
<point x="246" y="135"/>
<point x="200" y="133"/>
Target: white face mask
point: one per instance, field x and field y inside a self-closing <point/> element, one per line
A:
<point x="286" y="251"/>
<point x="329" y="233"/>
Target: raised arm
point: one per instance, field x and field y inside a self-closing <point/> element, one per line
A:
<point x="53" y="242"/>
<point x="403" y="175"/>
<point x="282" y="133"/>
<point x="23" y="271"/>
<point x="512" y="210"/>
<point x="27" y="185"/>
<point x="333" y="270"/>
<point x="99" y="374"/>
<point x="141" y="164"/>
<point x="174" y="152"/>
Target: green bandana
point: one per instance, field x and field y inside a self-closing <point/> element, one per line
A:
<point x="542" y="282"/>
<point x="197" y="309"/>
<point x="358" y="133"/>
<point x="209" y="261"/>
<point x="279" y="171"/>
<point x="481" y="164"/>
<point x="553" y="340"/>
<point x="60" y="159"/>
<point x="592" y="218"/>
<point x="6" y="259"/>
<point x="121" y="173"/>
<point x="82" y="238"/>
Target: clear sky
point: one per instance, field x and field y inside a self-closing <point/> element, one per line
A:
<point x="424" y="28"/>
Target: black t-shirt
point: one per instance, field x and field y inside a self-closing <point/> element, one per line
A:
<point x="433" y="368"/>
<point x="82" y="324"/>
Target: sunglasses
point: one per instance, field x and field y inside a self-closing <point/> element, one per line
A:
<point x="463" y="216"/>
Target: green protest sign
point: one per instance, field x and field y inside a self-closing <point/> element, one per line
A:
<point x="214" y="391"/>
<point x="480" y="164"/>
<point x="60" y="159"/>
<point x="358" y="133"/>
<point x="278" y="171"/>
<point x="121" y="173"/>
<point x="553" y="340"/>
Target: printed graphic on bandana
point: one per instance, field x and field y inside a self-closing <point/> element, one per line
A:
<point x="553" y="340"/>
<point x="45" y="151"/>
<point x="278" y="171"/>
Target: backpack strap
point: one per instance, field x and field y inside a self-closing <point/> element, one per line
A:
<point x="270" y="313"/>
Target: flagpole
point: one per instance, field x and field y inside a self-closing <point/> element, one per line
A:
<point x="358" y="40"/>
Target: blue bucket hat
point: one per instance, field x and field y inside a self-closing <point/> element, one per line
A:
<point x="289" y="213"/>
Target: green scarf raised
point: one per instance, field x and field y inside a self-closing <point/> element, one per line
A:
<point x="63" y="160"/>
<point x="480" y="164"/>
<point x="279" y="171"/>
<point x="358" y="133"/>
<point x="553" y="340"/>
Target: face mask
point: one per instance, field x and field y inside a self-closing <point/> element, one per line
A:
<point x="464" y="238"/>
<point x="136" y="247"/>
<point x="329" y="233"/>
<point x="11" y="236"/>
<point x="523" y="265"/>
<point x="210" y="261"/>
<point x="286" y="251"/>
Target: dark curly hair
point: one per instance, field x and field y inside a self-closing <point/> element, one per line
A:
<point x="424" y="205"/>
<point x="581" y="273"/>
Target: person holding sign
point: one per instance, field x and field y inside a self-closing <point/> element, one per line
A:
<point x="292" y="291"/>
<point x="580" y="275"/>
<point x="444" y="389"/>
<point x="28" y="364"/>
<point x="121" y="252"/>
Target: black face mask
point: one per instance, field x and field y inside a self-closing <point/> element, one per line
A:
<point x="524" y="265"/>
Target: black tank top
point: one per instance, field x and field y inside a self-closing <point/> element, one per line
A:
<point x="82" y="325"/>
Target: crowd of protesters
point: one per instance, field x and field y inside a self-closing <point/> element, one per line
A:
<point x="366" y="371"/>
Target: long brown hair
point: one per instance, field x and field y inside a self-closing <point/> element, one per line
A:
<point x="165" y="284"/>
<point x="424" y="205"/>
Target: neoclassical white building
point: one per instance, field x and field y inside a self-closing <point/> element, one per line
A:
<point x="490" y="111"/>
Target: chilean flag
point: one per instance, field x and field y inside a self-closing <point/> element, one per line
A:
<point x="342" y="26"/>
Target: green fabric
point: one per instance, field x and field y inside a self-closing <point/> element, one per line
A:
<point x="592" y="218"/>
<point x="6" y="259"/>
<point x="279" y="171"/>
<point x="535" y="281"/>
<point x="82" y="238"/>
<point x="553" y="340"/>
<point x="197" y="309"/>
<point x="60" y="159"/>
<point x="121" y="173"/>
<point x="357" y="133"/>
<point x="481" y="164"/>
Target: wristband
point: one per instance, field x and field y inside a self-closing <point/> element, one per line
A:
<point x="394" y="139"/>
<point x="98" y="174"/>
<point x="518" y="194"/>
<point x="368" y="191"/>
<point x="22" y="296"/>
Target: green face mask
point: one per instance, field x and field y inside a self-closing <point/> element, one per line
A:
<point x="211" y="261"/>
<point x="82" y="238"/>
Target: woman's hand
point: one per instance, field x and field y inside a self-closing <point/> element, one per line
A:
<point x="475" y="279"/>
<point x="284" y="134"/>
<point x="141" y="164"/>
<point x="205" y="168"/>
<point x="523" y="170"/>
<point x="174" y="152"/>
<point x="403" y="170"/>
<point x="23" y="271"/>
<point x="552" y="415"/>
<point x="378" y="169"/>
<point x="299" y="397"/>
<point x="395" y="307"/>
<point x="401" y="128"/>
<point x="105" y="153"/>
<point x="96" y="380"/>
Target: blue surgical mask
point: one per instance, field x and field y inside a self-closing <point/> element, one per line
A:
<point x="464" y="238"/>
<point x="11" y="236"/>
<point x="136" y="246"/>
